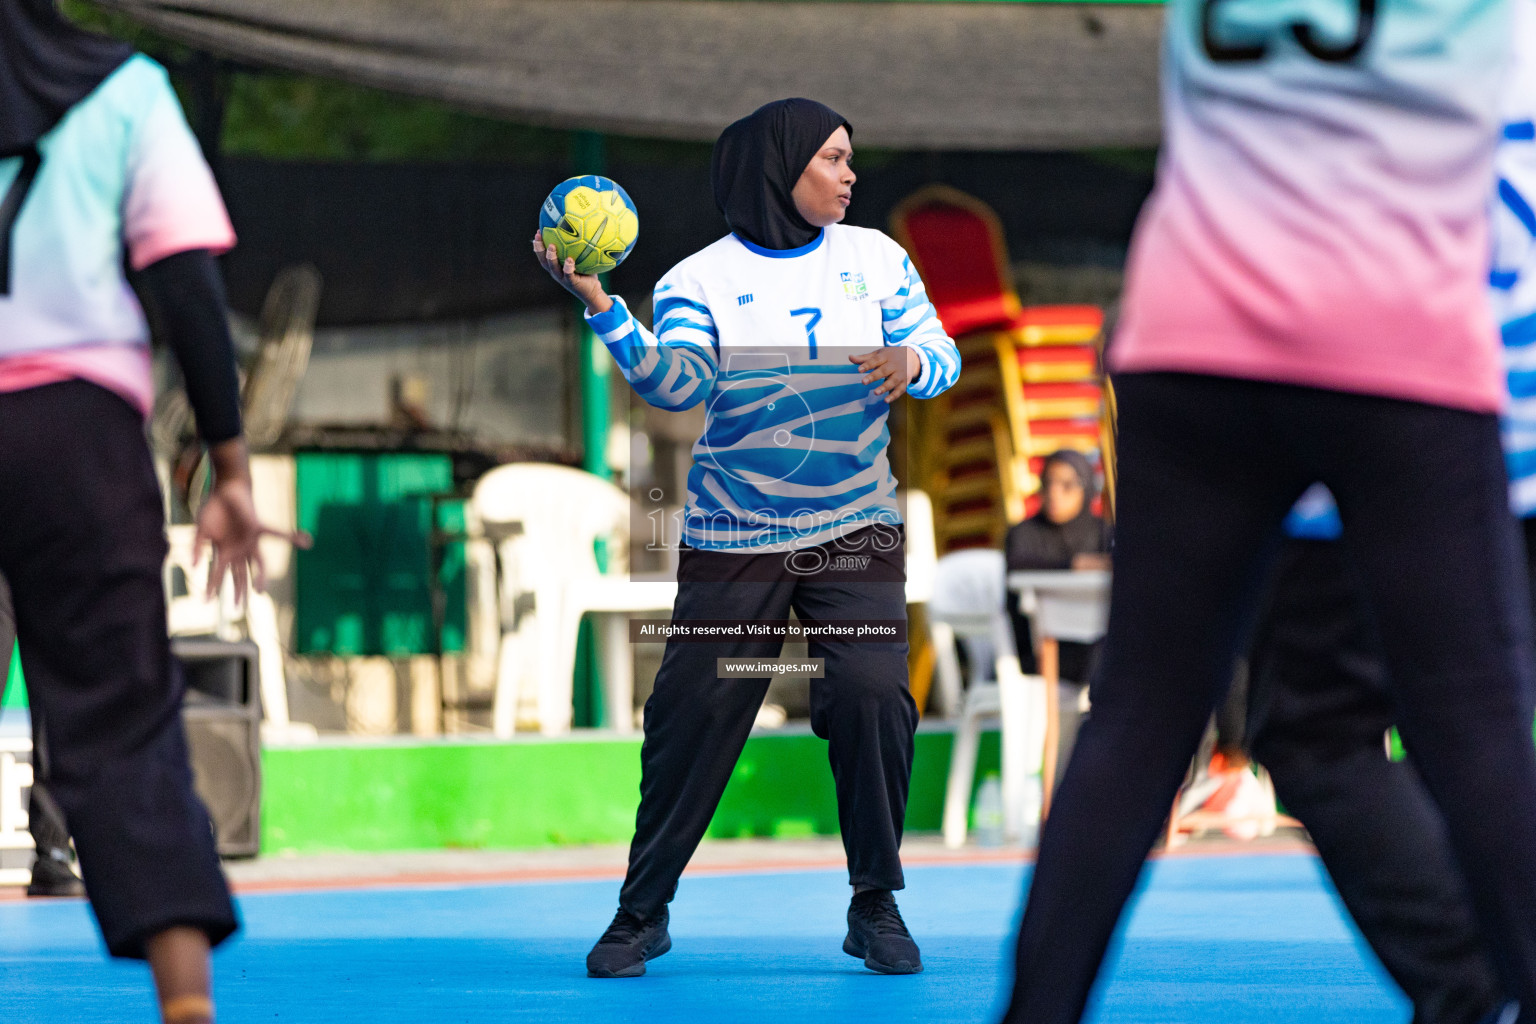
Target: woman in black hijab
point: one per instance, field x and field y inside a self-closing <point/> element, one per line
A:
<point x="758" y="163"/>
<point x="791" y="506"/>
<point x="47" y="65"/>
<point x="1064" y="534"/>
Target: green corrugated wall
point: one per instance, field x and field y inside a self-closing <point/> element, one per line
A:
<point x="533" y="793"/>
<point x="364" y="587"/>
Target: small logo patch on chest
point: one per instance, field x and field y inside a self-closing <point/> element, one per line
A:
<point x="742" y="300"/>
<point x="854" y="287"/>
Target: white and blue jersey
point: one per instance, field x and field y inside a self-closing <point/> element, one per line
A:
<point x="1513" y="277"/>
<point x="793" y="451"/>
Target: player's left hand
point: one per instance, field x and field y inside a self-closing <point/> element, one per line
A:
<point x="895" y="366"/>
<point x="227" y="522"/>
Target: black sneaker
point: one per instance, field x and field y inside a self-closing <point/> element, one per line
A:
<point x="52" y="877"/>
<point x="627" y="944"/>
<point x="877" y="933"/>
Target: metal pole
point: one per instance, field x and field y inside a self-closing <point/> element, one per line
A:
<point x="588" y="152"/>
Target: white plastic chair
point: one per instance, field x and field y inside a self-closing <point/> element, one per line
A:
<point x="922" y="560"/>
<point x="15" y="780"/>
<point x="546" y="520"/>
<point x="611" y="599"/>
<point x="967" y="606"/>
<point x="483" y="612"/>
<point x="922" y="545"/>
<point x="189" y="612"/>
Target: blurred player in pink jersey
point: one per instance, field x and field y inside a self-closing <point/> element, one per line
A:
<point x="1306" y="303"/>
<point x="97" y="169"/>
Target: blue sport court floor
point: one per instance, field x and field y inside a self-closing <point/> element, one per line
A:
<point x="1213" y="939"/>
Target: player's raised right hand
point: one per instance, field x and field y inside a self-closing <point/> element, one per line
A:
<point x="585" y="287"/>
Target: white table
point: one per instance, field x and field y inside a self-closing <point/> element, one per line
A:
<point x="15" y="781"/>
<point x="1070" y="605"/>
<point x="611" y="600"/>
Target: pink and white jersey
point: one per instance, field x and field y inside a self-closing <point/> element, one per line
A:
<point x="121" y="174"/>
<point x="1320" y="215"/>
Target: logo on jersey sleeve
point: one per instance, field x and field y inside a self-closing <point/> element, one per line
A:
<point x="854" y="287"/>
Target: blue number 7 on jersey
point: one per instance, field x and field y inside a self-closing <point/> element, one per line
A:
<point x="810" y="325"/>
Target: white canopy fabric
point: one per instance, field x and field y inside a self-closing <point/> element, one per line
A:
<point x="985" y="76"/>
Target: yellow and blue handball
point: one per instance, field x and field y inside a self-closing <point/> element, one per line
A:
<point x="592" y="220"/>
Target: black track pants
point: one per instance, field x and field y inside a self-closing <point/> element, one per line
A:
<point x="1208" y="469"/>
<point x="1318" y="709"/>
<point x="696" y="723"/>
<point x="82" y="543"/>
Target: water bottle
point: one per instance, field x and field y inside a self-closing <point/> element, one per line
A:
<point x="989" y="811"/>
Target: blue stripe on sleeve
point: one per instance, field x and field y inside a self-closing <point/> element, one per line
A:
<point x="648" y="362"/>
<point x="665" y="307"/>
<point x="1522" y="383"/>
<point x="1520" y="464"/>
<point x="941" y="368"/>
<point x="607" y="323"/>
<point x="677" y="323"/>
<point x="1517" y="205"/>
<point x="901" y="334"/>
<point x="1521" y="332"/>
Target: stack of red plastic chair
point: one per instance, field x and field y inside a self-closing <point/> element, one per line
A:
<point x="1030" y="380"/>
<point x="1051" y="382"/>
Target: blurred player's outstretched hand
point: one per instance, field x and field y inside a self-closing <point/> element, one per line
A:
<point x="227" y="521"/>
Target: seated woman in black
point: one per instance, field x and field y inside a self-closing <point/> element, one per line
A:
<point x="1064" y="534"/>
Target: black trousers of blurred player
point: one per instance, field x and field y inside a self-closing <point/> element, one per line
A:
<point x="1319" y="706"/>
<point x="82" y="544"/>
<point x="1208" y="469"/>
<point x="697" y="723"/>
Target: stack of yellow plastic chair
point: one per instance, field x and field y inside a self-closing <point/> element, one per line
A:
<point x="1054" y="389"/>
<point x="1030" y="380"/>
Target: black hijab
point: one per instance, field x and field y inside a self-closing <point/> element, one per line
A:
<point x="1078" y="463"/>
<point x="47" y="65"/>
<point x="1038" y="543"/>
<point x="757" y="161"/>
